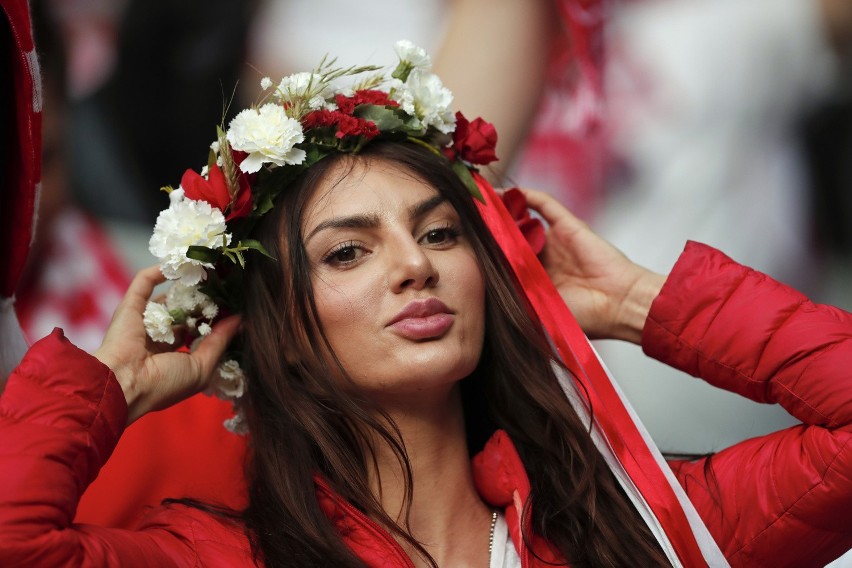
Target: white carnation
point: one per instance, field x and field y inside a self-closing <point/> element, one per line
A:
<point x="189" y="299"/>
<point x="400" y="92"/>
<point x="268" y="135"/>
<point x="432" y="101"/>
<point x="412" y="54"/>
<point x="176" y="195"/>
<point x="265" y="83"/>
<point x="158" y="323"/>
<point x="304" y="86"/>
<point x="186" y="223"/>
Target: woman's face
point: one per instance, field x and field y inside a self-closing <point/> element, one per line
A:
<point x="398" y="290"/>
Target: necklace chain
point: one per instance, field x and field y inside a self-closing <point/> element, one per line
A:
<point x="491" y="535"/>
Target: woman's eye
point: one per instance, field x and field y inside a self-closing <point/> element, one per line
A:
<point x="441" y="236"/>
<point x="344" y="254"/>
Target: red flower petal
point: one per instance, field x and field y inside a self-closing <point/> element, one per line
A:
<point x="531" y="227"/>
<point x="475" y="141"/>
<point x="213" y="190"/>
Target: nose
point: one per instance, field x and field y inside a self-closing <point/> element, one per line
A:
<point x="410" y="266"/>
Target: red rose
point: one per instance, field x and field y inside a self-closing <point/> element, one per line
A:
<point x="475" y="141"/>
<point x="532" y="228"/>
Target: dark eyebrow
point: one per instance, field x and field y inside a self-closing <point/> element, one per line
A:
<point x="426" y="206"/>
<point x="352" y="222"/>
<point x="371" y="221"/>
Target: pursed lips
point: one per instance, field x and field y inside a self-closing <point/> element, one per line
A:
<point x="423" y="319"/>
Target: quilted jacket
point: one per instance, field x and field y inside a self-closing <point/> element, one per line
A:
<point x="784" y="499"/>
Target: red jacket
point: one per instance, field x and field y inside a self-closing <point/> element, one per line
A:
<point x="779" y="500"/>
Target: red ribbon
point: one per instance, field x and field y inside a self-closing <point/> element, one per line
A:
<point x="572" y="345"/>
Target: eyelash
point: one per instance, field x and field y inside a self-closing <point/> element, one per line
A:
<point x="452" y="232"/>
<point x="329" y="258"/>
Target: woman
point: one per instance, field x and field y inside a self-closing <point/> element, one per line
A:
<point x="385" y="338"/>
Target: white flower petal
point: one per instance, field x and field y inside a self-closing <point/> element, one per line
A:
<point x="230" y="381"/>
<point x="432" y="101"/>
<point x="412" y="54"/>
<point x="158" y="323"/>
<point x="268" y="135"/>
<point x="186" y="223"/>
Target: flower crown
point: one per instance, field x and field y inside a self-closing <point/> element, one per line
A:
<point x="204" y="237"/>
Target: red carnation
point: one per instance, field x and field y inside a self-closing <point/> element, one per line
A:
<point x="347" y="125"/>
<point x="351" y="126"/>
<point x="532" y="228"/>
<point x="345" y="104"/>
<point x="475" y="141"/>
<point x="373" y="97"/>
<point x="318" y="119"/>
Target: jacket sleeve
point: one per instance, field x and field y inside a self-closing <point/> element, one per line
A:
<point x="784" y="499"/>
<point x="61" y="415"/>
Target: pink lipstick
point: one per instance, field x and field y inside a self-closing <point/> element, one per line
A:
<point x="423" y="319"/>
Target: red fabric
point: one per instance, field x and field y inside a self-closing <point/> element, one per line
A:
<point x="21" y="134"/>
<point x="578" y="357"/>
<point x="756" y="337"/>
<point x="183" y="451"/>
<point x="779" y="500"/>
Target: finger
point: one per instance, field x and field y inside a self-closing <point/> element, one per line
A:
<point x="211" y="348"/>
<point x="548" y="207"/>
<point x="141" y="287"/>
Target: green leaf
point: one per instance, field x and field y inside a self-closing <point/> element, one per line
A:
<point x="386" y="119"/>
<point x="203" y="254"/>
<point x="255" y="245"/>
<point x="467" y="179"/>
<point x="263" y="204"/>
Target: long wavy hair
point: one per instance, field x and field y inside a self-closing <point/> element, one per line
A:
<point x="305" y="421"/>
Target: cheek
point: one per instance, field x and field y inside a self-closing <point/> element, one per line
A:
<point x="469" y="284"/>
<point x="343" y="305"/>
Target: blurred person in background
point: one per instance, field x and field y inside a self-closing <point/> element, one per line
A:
<point x="74" y="277"/>
<point x="705" y="100"/>
<point x="76" y="272"/>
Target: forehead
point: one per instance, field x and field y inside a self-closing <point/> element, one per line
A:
<point x="352" y="187"/>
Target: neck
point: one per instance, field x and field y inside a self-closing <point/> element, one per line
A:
<point x="447" y="515"/>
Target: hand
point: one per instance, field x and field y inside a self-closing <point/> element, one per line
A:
<point x="608" y="294"/>
<point x="153" y="378"/>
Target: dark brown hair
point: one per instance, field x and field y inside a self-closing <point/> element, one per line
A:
<point x="303" y="422"/>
